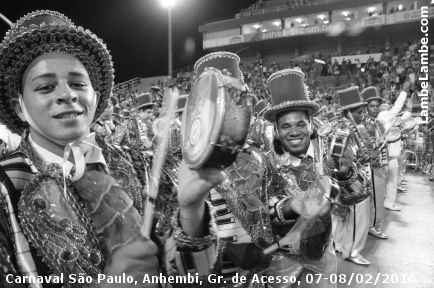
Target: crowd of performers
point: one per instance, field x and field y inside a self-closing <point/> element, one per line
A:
<point x="304" y="186"/>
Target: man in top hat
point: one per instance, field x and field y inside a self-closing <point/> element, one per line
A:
<point x="275" y="215"/>
<point x="145" y="108"/>
<point x="251" y="216"/>
<point x="389" y="118"/>
<point x="297" y="157"/>
<point x="378" y="160"/>
<point x="120" y="135"/>
<point x="352" y="234"/>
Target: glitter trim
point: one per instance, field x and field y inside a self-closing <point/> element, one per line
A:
<point x="215" y="55"/>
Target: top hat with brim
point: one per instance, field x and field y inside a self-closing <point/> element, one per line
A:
<point x="288" y="92"/>
<point x="144" y="100"/>
<point x="260" y="107"/>
<point x="350" y="98"/>
<point x="370" y="94"/>
<point x="182" y="101"/>
<point x="42" y="32"/>
<point x="223" y="61"/>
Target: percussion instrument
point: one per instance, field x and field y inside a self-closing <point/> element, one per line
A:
<point x="353" y="191"/>
<point x="216" y="121"/>
<point x="339" y="143"/>
<point x="391" y="135"/>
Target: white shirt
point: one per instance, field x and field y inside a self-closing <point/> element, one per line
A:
<point x="386" y="118"/>
<point x="288" y="159"/>
<point x="93" y="155"/>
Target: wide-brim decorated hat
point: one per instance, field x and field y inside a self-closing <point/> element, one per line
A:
<point x="289" y="92"/>
<point x="350" y="98"/>
<point x="42" y="32"/>
<point x="370" y="94"/>
<point x="223" y="61"/>
<point x="144" y="100"/>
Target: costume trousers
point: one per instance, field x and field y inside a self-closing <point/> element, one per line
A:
<point x="391" y="182"/>
<point x="401" y="163"/>
<point x="377" y="199"/>
<point x="351" y="234"/>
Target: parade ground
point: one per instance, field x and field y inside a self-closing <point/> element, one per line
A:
<point x="406" y="259"/>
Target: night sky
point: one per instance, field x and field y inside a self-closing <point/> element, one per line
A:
<point x="135" y="31"/>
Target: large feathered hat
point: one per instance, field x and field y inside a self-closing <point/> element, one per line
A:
<point x="289" y="92"/>
<point x="42" y="32"/>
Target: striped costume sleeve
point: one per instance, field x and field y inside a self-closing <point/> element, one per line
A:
<point x="22" y="249"/>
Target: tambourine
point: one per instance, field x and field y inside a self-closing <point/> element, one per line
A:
<point x="393" y="134"/>
<point x="408" y="124"/>
<point x="216" y="120"/>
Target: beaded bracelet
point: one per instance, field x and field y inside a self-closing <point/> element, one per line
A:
<point x="186" y="242"/>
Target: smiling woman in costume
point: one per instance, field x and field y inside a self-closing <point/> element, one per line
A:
<point x="69" y="202"/>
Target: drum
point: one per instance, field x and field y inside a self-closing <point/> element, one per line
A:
<point x="354" y="193"/>
<point x="338" y="143"/>
<point x="216" y="120"/>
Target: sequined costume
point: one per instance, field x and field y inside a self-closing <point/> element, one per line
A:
<point x="352" y="225"/>
<point x="379" y="162"/>
<point x="249" y="217"/>
<point x="78" y="229"/>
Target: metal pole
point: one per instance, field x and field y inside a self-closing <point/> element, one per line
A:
<point x="170" y="40"/>
<point x="4" y="18"/>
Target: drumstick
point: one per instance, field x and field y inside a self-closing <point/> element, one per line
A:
<point x="157" y="163"/>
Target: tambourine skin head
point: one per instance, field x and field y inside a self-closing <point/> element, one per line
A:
<point x="216" y="121"/>
<point x="393" y="134"/>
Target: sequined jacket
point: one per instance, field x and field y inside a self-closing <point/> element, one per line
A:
<point x="248" y="211"/>
<point x="375" y="130"/>
<point x="70" y="234"/>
